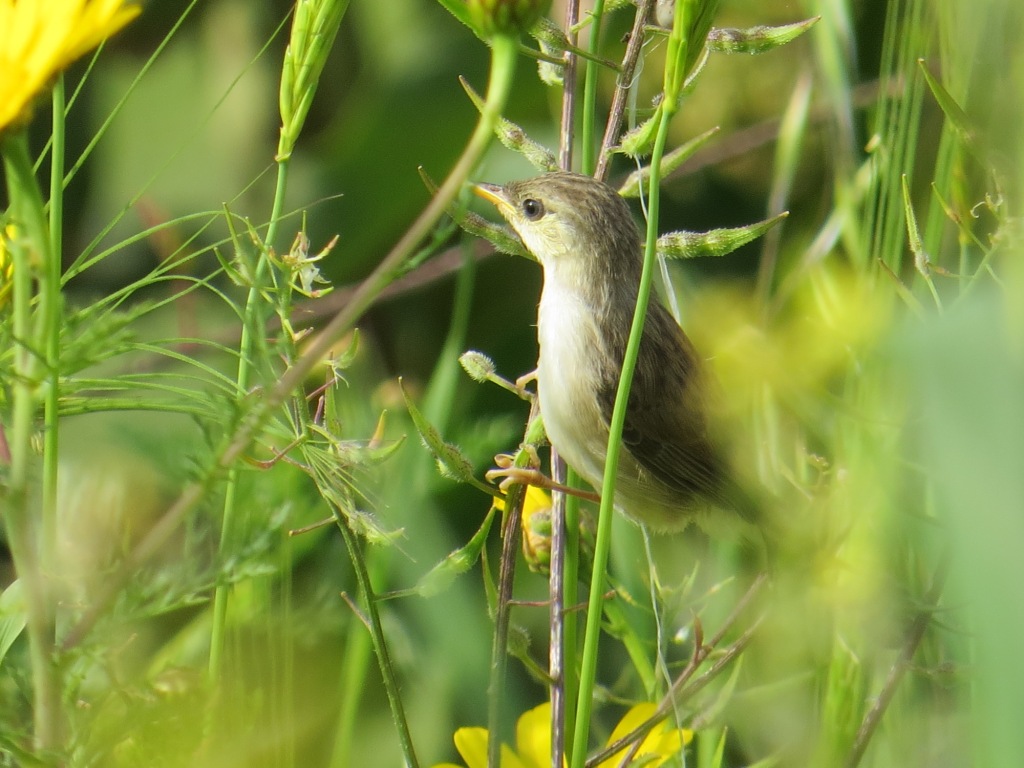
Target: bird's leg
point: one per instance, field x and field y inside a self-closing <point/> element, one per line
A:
<point x="531" y="475"/>
<point x="521" y="383"/>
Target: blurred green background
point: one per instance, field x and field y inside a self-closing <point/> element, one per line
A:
<point x="200" y="129"/>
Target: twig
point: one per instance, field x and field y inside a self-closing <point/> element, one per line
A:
<point x="514" y="500"/>
<point x="556" y="644"/>
<point x="901" y="665"/>
<point x="503" y="54"/>
<point x="556" y="582"/>
<point x="632" y="56"/>
<point x="680" y="688"/>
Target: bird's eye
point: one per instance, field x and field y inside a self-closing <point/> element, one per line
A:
<point x="533" y="209"/>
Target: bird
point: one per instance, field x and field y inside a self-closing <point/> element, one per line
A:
<point x="671" y="471"/>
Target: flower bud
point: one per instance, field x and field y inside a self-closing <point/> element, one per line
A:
<point x="506" y="17"/>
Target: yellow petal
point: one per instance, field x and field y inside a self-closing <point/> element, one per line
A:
<point x="533" y="736"/>
<point x="472" y="745"/>
<point x="39" y="38"/>
<point x="662" y="742"/>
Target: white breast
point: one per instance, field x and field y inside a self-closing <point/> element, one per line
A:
<point x="565" y="379"/>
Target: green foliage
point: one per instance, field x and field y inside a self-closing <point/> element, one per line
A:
<point x="717" y="242"/>
<point x="232" y="495"/>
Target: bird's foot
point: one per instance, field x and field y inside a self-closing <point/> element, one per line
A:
<point x="522" y="381"/>
<point x="511" y="475"/>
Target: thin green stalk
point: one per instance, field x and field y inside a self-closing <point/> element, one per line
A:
<point x="604" y="525"/>
<point x="503" y="59"/>
<point x="30" y="255"/>
<point x="588" y="160"/>
<point x="674" y="75"/>
<point x="437" y="410"/>
<point x="570" y="597"/>
<point x="377" y="636"/>
<point x="252" y="326"/>
<point x="51" y="324"/>
<point x="314" y="28"/>
<point x="510" y="537"/>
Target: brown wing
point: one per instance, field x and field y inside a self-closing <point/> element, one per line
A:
<point x="666" y="429"/>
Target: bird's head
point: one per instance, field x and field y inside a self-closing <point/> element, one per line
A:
<point x="573" y="224"/>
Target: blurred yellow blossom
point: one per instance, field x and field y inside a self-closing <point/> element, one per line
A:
<point x="536" y="522"/>
<point x="6" y="265"/>
<point x="533" y="741"/>
<point x="39" y="38"/>
<point x="824" y="331"/>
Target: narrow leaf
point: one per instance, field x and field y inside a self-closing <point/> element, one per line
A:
<point x="515" y="138"/>
<point x="758" y="39"/>
<point x="451" y="461"/>
<point x="638" y="180"/>
<point x="717" y="242"/>
<point x="12" y="616"/>
<point x="438" y="578"/>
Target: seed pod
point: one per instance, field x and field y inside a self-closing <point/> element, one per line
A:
<point x="506" y="17"/>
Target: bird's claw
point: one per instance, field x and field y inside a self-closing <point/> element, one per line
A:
<point x="525" y="379"/>
<point x="517" y="476"/>
<point x="506" y="468"/>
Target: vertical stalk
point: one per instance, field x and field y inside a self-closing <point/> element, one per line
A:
<point x="565" y="508"/>
<point x="30" y="255"/>
<point x="51" y="323"/>
<point x="589" y="148"/>
<point x="377" y="637"/>
<point x="674" y="75"/>
<point x="251" y="340"/>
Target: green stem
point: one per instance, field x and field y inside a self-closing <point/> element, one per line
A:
<point x="570" y="597"/>
<point x="377" y="636"/>
<point x="604" y="523"/>
<point x="503" y="59"/>
<point x="251" y="340"/>
<point x="588" y="161"/>
<point x="30" y="255"/>
<point x="50" y="334"/>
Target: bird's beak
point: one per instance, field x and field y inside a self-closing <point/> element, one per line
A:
<point x="492" y="193"/>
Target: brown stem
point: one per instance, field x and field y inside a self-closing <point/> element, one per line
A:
<point x="914" y="637"/>
<point x="613" y="127"/>
<point x="514" y="500"/>
<point x="680" y="688"/>
<point x="556" y="642"/>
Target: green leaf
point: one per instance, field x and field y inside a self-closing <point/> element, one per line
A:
<point x="717" y="242"/>
<point x="460" y="11"/>
<point x="12" y="616"/>
<point x="346" y="358"/>
<point x="358" y="453"/>
<point x="514" y="137"/>
<point x="637" y="180"/>
<point x="451" y="461"/>
<point x="476" y="225"/>
<point x="440" y="577"/>
<point x="640" y="140"/>
<point x="922" y="262"/>
<point x="758" y="39"/>
<point x="958" y="119"/>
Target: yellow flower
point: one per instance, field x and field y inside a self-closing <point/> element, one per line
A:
<point x="6" y="264"/>
<point x="536" y="521"/>
<point x="533" y="741"/>
<point x="39" y="38"/>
